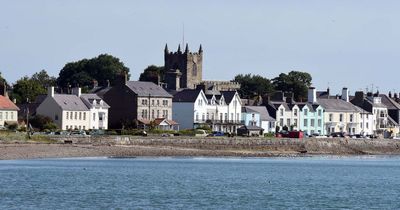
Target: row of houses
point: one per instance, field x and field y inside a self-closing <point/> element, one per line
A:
<point x="145" y="104"/>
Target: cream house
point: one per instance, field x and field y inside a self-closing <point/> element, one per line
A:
<point x="8" y="111"/>
<point x="74" y="111"/>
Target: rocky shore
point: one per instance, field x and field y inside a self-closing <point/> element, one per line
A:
<point x="132" y="146"/>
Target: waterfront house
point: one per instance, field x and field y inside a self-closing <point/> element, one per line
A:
<point x="393" y="111"/>
<point x="266" y="122"/>
<point x="220" y="110"/>
<point x="136" y="103"/>
<point x="98" y="111"/>
<point x="284" y="110"/>
<point x="8" y="111"/>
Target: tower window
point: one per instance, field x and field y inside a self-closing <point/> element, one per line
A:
<point x="194" y="70"/>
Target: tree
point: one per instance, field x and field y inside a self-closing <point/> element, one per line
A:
<point x="295" y="81"/>
<point x="103" y="68"/>
<point x="153" y="74"/>
<point x="2" y="80"/>
<point x="41" y="122"/>
<point x="27" y="89"/>
<point x="43" y="78"/>
<point x="253" y="85"/>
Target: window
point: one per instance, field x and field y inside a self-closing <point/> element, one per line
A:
<point x="152" y="102"/>
<point x="101" y="116"/>
<point x="320" y="114"/>
<point x="6" y="115"/>
<point x="12" y="115"/>
<point x="152" y="113"/>
<point x="212" y="116"/>
<point x="305" y="111"/>
<point x="312" y="123"/>
<point x="226" y="116"/>
<point x="319" y="124"/>
<point x="84" y="128"/>
<point x="71" y="115"/>
<point x="231" y="116"/>
<point x="288" y="122"/>
<point x="197" y="116"/>
<point x="67" y="117"/>
<point x="80" y="115"/>
<point x="1" y="115"/>
<point x="158" y="102"/>
<point x="237" y="116"/>
<point x="84" y="116"/>
<point x="281" y="122"/>
<point x="79" y="127"/>
<point x="208" y="116"/>
<point x="203" y="117"/>
<point x="56" y="117"/>
<point x="295" y="122"/>
<point x="220" y="116"/>
<point x="158" y="113"/>
<point x="295" y="112"/>
<point x="351" y="117"/>
<point x="305" y="122"/>
<point x="144" y="102"/>
<point x="270" y="125"/>
<point x="166" y="113"/>
<point x="366" y="125"/>
<point x="341" y="117"/>
<point x="76" y="115"/>
<point x="94" y="116"/>
<point x="143" y="113"/>
<point x="194" y="70"/>
<point x="281" y="112"/>
<point x="330" y="117"/>
<point x="66" y="127"/>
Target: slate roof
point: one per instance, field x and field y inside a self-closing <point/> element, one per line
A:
<point x="147" y="88"/>
<point x="250" y="127"/>
<point x="337" y="105"/>
<point x="390" y="103"/>
<point x="228" y="95"/>
<point x="379" y="105"/>
<point x="90" y="97"/>
<point x="7" y="104"/>
<point x="262" y="110"/>
<point x="186" y="95"/>
<point x="276" y="104"/>
<point x="70" y="102"/>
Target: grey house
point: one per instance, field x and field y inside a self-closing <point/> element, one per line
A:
<point x="133" y="103"/>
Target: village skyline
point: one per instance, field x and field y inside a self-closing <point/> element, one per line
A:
<point x="333" y="41"/>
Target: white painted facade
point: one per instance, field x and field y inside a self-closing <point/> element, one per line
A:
<point x="8" y="116"/>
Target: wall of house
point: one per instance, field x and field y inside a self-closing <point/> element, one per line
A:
<point x="78" y="121"/>
<point x="250" y="118"/>
<point x="366" y="123"/>
<point x="151" y="108"/>
<point x="94" y="118"/>
<point x="268" y="126"/>
<point x="295" y="117"/>
<point x="282" y="118"/>
<point x="123" y="106"/>
<point x="306" y="121"/>
<point x="50" y="108"/>
<point x="183" y="114"/>
<point x="8" y="115"/>
<point x="235" y="109"/>
<point x="344" y="125"/>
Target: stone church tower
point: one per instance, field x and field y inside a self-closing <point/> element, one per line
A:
<point x="183" y="69"/>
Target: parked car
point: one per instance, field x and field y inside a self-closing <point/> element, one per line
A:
<point x="217" y="133"/>
<point x="338" y="134"/>
<point x="200" y="132"/>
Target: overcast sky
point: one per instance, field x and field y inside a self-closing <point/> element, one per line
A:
<point x="340" y="43"/>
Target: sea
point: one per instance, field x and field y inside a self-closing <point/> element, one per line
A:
<point x="322" y="182"/>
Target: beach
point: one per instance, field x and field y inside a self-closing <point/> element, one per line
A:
<point x="132" y="146"/>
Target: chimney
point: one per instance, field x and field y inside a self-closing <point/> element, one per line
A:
<point x="122" y="79"/>
<point x="345" y="94"/>
<point x="95" y="83"/>
<point x="15" y="101"/>
<point x="76" y="91"/>
<point x="395" y="96"/>
<point x="390" y="94"/>
<point x="108" y="83"/>
<point x="312" y="95"/>
<point x="50" y="91"/>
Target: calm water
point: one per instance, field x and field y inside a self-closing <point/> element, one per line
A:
<point x="201" y="183"/>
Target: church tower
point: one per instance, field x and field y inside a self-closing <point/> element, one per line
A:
<point x="183" y="69"/>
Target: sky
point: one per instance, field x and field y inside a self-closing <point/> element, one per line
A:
<point x="341" y="43"/>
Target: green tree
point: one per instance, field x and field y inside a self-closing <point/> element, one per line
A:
<point x="43" y="78"/>
<point x="153" y="74"/>
<point x="82" y="73"/>
<point x="295" y="81"/>
<point x="41" y="122"/>
<point x="253" y="85"/>
<point x="2" y="80"/>
<point x="27" y="89"/>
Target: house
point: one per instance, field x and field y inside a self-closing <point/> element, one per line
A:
<point x="266" y="121"/>
<point x="98" y="111"/>
<point x="373" y="103"/>
<point x="340" y="115"/>
<point x="312" y="114"/>
<point x="136" y="103"/>
<point x="165" y="124"/>
<point x="393" y="111"/>
<point x="8" y="111"/>
<point x="221" y="110"/>
<point x="284" y="110"/>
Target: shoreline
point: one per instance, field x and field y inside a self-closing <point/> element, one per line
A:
<point x="131" y="146"/>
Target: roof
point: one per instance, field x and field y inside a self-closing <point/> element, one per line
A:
<point x="70" y="102"/>
<point x="262" y="110"/>
<point x="158" y="121"/>
<point x="7" y="104"/>
<point x="147" y="89"/>
<point x="90" y="97"/>
<point x="276" y="104"/>
<point x="323" y="94"/>
<point x="228" y="95"/>
<point x="390" y="103"/>
<point x="335" y="105"/>
<point x="186" y="95"/>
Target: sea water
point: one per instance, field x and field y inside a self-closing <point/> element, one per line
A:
<point x="366" y="182"/>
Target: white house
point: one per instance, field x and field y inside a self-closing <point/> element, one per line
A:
<point x="266" y="121"/>
<point x="8" y="111"/>
<point x="221" y="111"/>
<point x="74" y="111"/>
